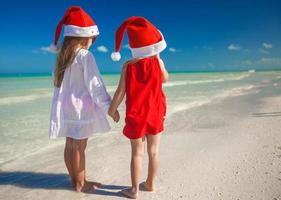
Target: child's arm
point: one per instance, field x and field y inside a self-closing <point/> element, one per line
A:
<point x="118" y="95"/>
<point x="165" y="74"/>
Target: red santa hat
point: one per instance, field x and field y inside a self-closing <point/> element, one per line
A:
<point x="77" y="23"/>
<point x="144" y="38"/>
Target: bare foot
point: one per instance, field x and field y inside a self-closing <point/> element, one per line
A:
<point x="129" y="193"/>
<point x="87" y="187"/>
<point x="97" y="184"/>
<point x="145" y="187"/>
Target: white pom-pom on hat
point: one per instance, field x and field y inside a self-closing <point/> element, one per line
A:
<point x="115" y="56"/>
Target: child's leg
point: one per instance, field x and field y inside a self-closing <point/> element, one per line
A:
<point x="136" y="161"/>
<point x="153" y="143"/>
<point x="79" y="147"/>
<point x="137" y="146"/>
<point x="68" y="159"/>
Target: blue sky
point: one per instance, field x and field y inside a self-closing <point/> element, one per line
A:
<point x="201" y="34"/>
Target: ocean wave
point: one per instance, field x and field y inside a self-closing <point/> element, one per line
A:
<point x="21" y="99"/>
<point x="180" y="83"/>
<point x="41" y="93"/>
<point x="240" y="77"/>
<point x="234" y="92"/>
<point x="177" y="83"/>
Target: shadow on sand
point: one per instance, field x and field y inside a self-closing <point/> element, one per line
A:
<point x="38" y="180"/>
<point x="267" y="114"/>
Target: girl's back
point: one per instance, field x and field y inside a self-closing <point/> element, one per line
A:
<point x="145" y="100"/>
<point x="79" y="105"/>
<point x="76" y="100"/>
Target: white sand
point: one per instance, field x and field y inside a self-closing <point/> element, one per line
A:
<point x="228" y="150"/>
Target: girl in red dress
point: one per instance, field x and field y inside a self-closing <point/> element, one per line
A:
<point x="141" y="81"/>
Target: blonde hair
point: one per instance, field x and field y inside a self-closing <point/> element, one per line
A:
<point x="66" y="54"/>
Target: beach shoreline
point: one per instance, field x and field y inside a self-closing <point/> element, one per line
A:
<point x="229" y="148"/>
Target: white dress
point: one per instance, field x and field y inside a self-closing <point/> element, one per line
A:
<point x="80" y="105"/>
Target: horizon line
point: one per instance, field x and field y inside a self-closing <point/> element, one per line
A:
<point x="26" y="74"/>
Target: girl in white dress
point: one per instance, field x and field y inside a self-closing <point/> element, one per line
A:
<point x="80" y="102"/>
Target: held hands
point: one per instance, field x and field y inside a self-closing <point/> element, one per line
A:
<point x="117" y="98"/>
<point x="114" y="115"/>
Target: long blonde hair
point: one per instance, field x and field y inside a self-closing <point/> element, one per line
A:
<point x="66" y="55"/>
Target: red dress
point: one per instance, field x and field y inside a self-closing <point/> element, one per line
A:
<point x="145" y="99"/>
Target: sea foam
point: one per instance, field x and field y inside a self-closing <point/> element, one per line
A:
<point x="234" y="92"/>
<point x="21" y="99"/>
<point x="189" y="82"/>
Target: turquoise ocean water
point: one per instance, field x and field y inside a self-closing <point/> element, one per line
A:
<point x="25" y="103"/>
